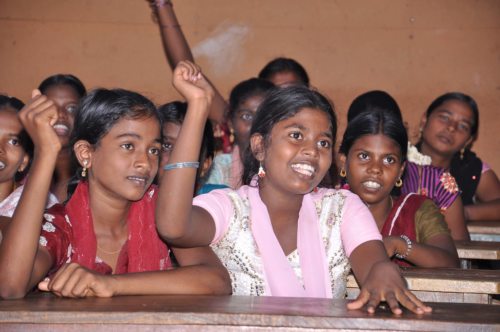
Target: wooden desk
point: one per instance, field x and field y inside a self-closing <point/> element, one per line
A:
<point x="478" y="250"/>
<point x="229" y="313"/>
<point x="447" y="285"/>
<point x="484" y="230"/>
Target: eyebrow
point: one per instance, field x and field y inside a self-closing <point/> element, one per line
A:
<point x="136" y="136"/>
<point x="444" y="110"/>
<point x="301" y="127"/>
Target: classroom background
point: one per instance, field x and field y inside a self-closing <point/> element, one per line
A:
<point x="415" y="50"/>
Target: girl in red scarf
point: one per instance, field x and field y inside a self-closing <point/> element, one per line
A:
<point x="373" y="155"/>
<point x="103" y="241"/>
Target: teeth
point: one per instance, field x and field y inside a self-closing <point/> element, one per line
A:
<point x="2" y="165"/>
<point x="371" y="184"/>
<point x="136" y="178"/>
<point x="60" y="126"/>
<point x="304" y="169"/>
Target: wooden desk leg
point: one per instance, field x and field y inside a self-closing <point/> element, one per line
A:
<point x="465" y="263"/>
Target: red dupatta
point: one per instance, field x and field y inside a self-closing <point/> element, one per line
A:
<point x="143" y="250"/>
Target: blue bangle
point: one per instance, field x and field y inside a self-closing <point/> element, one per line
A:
<point x="186" y="164"/>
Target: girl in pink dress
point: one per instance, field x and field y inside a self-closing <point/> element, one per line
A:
<point x="279" y="234"/>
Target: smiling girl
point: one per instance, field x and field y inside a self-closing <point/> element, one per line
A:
<point x="103" y="241"/>
<point x="373" y="155"/>
<point x="277" y="235"/>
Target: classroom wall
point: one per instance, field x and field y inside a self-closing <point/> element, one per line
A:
<point x="415" y="50"/>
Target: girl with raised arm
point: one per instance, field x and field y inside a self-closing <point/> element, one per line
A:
<point x="279" y="234"/>
<point x="103" y="241"/>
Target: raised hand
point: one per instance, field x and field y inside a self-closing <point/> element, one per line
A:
<point x="191" y="84"/>
<point x="38" y="117"/>
<point x="73" y="280"/>
<point x="384" y="283"/>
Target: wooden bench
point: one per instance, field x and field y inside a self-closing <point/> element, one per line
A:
<point x="446" y="285"/>
<point x="473" y="250"/>
<point x="488" y="230"/>
<point x="230" y="313"/>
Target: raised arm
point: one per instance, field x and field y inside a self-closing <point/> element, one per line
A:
<point x="178" y="222"/>
<point x="177" y="49"/>
<point x="22" y="263"/>
<point x="487" y="206"/>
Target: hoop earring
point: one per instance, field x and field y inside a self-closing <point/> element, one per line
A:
<point x="84" y="170"/>
<point x="462" y="151"/>
<point x="399" y="183"/>
<point x="261" y="173"/>
<point x="343" y="173"/>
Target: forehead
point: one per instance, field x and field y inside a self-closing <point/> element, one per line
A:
<point x="62" y="91"/>
<point x="171" y="129"/>
<point x="147" y="127"/>
<point x="251" y="103"/>
<point x="285" y="78"/>
<point x="378" y="144"/>
<point x="457" y="108"/>
<point x="9" y="119"/>
<point x="311" y="119"/>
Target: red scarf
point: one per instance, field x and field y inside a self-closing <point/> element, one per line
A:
<point x="143" y="251"/>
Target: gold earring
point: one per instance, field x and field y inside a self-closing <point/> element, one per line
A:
<point x="343" y="173"/>
<point x="399" y="183"/>
<point x="231" y="135"/>
<point x="462" y="154"/>
<point x="84" y="170"/>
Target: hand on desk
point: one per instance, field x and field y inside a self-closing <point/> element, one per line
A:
<point x="384" y="283"/>
<point x="73" y="280"/>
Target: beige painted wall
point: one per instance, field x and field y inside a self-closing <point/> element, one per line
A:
<point x="416" y="50"/>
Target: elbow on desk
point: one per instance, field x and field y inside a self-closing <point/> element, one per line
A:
<point x="11" y="293"/>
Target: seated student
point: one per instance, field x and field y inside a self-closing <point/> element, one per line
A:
<point x="103" y="241"/>
<point x="276" y="234"/>
<point x="419" y="177"/>
<point x="65" y="90"/>
<point x="280" y="71"/>
<point x="373" y="156"/>
<point x="448" y="129"/>
<point x="244" y="101"/>
<point x="172" y="116"/>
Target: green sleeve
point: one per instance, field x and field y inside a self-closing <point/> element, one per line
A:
<point x="429" y="221"/>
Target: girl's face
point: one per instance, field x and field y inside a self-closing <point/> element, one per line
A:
<point x="448" y="128"/>
<point x="13" y="158"/>
<point x="66" y="100"/>
<point x="170" y="133"/>
<point x="242" y="119"/>
<point x="299" y="152"/>
<point x="373" y="165"/>
<point x="125" y="161"/>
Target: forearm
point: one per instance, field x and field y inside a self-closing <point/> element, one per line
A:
<point x="483" y="211"/>
<point x="423" y="255"/>
<point x="177" y="186"/>
<point x="193" y="280"/>
<point x="19" y="246"/>
<point x="365" y="256"/>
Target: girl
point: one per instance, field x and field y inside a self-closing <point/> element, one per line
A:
<point x="108" y="224"/>
<point x="276" y="235"/>
<point x="15" y="147"/>
<point x="172" y="116"/>
<point x="65" y="91"/>
<point x="448" y="128"/>
<point x="373" y="156"/>
<point x="244" y="100"/>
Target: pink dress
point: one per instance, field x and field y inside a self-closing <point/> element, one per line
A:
<point x="332" y="223"/>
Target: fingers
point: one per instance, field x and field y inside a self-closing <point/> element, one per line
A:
<point x="71" y="280"/>
<point x="412" y="303"/>
<point x="391" y="300"/>
<point x="360" y="301"/>
<point x="35" y="93"/>
<point x="189" y="71"/>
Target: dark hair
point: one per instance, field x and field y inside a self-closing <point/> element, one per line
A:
<point x="63" y="79"/>
<point x="175" y="112"/>
<point x="371" y="100"/>
<point x="247" y="89"/>
<point x="458" y="96"/>
<point x="280" y="65"/>
<point x="101" y="109"/>
<point x="377" y="121"/>
<point x="24" y="138"/>
<point x="282" y="104"/>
